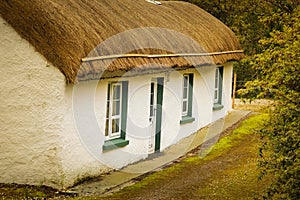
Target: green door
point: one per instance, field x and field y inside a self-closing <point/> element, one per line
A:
<point x="156" y="99"/>
<point x="158" y="118"/>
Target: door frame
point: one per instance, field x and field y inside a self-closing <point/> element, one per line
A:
<point x="158" y="118"/>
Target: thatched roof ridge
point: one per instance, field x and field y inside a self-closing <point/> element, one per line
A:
<point x="67" y="31"/>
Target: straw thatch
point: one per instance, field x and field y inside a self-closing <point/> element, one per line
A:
<point x="65" y="31"/>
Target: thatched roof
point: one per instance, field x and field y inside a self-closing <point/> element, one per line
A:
<point x="67" y="31"/>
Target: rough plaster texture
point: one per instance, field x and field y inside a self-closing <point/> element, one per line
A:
<point x="31" y="107"/>
<point x="39" y="143"/>
<point x="77" y="162"/>
<point x="52" y="133"/>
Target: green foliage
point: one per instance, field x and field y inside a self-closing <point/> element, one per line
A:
<point x="244" y="72"/>
<point x="277" y="68"/>
<point x="277" y="77"/>
<point x="251" y="20"/>
<point x="280" y="153"/>
<point x="242" y="17"/>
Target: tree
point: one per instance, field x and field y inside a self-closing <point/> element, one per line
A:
<point x="278" y="77"/>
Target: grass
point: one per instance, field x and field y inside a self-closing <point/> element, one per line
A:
<point x="240" y="181"/>
<point x="14" y="191"/>
<point x="247" y="127"/>
<point x="229" y="171"/>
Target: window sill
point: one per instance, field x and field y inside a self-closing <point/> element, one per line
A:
<point x="114" y="144"/>
<point x="217" y="106"/>
<point x="187" y="119"/>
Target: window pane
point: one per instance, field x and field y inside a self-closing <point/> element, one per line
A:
<point x="108" y="91"/>
<point x="185" y="81"/>
<point x="152" y="94"/>
<point x="152" y="87"/>
<point x="116" y="91"/>
<point x="115" y="126"/>
<point x="107" y="109"/>
<point x="151" y="98"/>
<point x="115" y="107"/>
<point x="106" y="127"/>
<point x="184" y="106"/>
<point x="151" y="110"/>
<point x="216" y="95"/>
<point x="218" y="85"/>
<point x="185" y="94"/>
<point x="185" y="91"/>
<point x="217" y="78"/>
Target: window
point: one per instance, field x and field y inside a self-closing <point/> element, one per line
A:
<point x="152" y="101"/>
<point x="218" y="88"/>
<point x="113" y="112"/>
<point x="116" y="114"/>
<point x="187" y="98"/>
<point x="185" y="94"/>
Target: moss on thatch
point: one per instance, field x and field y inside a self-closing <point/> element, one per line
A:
<point x="67" y="31"/>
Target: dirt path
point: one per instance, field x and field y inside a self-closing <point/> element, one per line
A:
<point x="231" y="174"/>
<point x="184" y="183"/>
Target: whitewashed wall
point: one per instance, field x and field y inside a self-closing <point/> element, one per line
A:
<point x="228" y="74"/>
<point x="90" y="106"/>
<point x="31" y="112"/>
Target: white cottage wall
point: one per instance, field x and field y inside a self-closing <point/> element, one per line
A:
<point x="80" y="130"/>
<point x="171" y="109"/>
<point x="228" y="74"/>
<point x="173" y="131"/>
<point x="83" y="137"/>
<point x="84" y="126"/>
<point x="31" y="105"/>
<point x="204" y="87"/>
<point x="138" y="125"/>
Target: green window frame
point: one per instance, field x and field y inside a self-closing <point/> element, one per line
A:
<point x="218" y="88"/>
<point x="187" y="99"/>
<point x="116" y="115"/>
